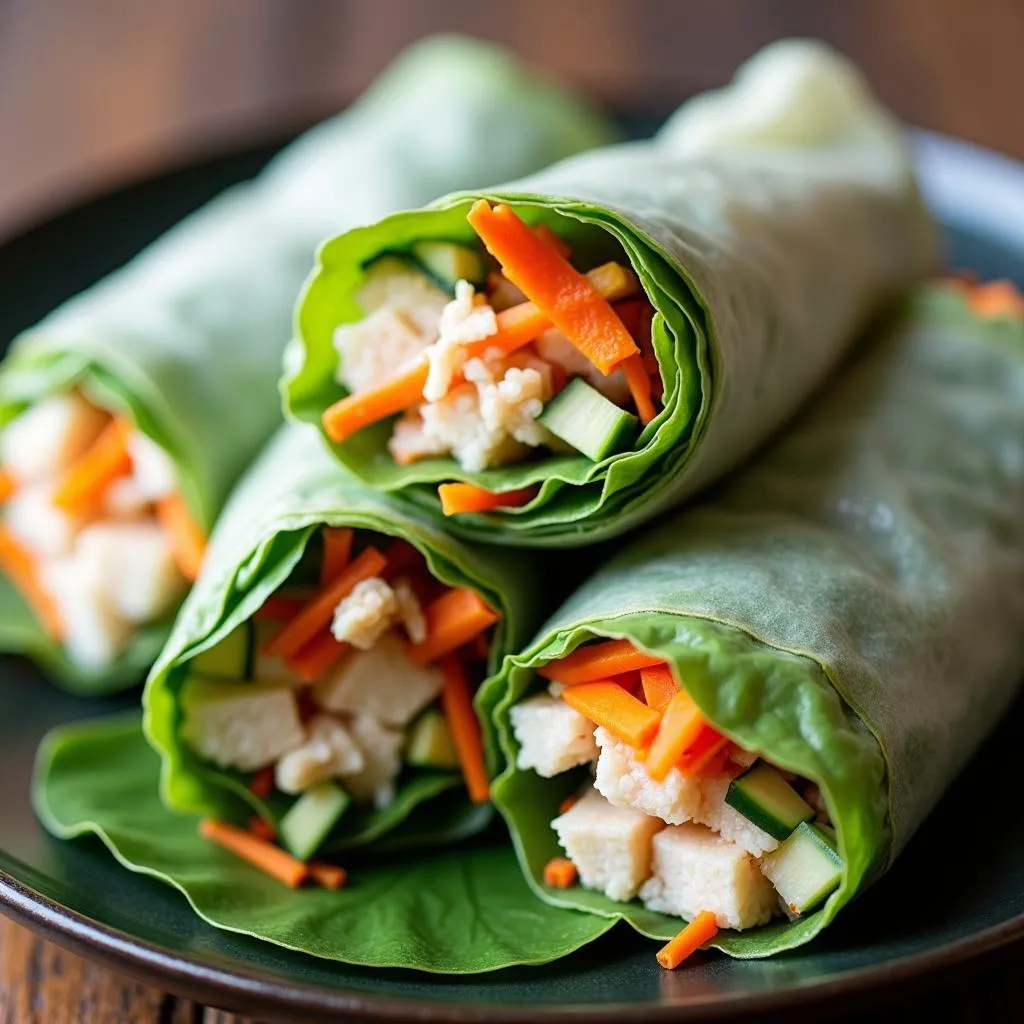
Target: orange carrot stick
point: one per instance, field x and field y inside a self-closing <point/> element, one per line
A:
<point x="559" y="873"/>
<point x="453" y="619"/>
<point x="270" y="859"/>
<point x="716" y="764"/>
<point x="106" y="459"/>
<point x="997" y="299"/>
<point x="262" y="782"/>
<point x="20" y="567"/>
<point x="701" y="930"/>
<point x="188" y="544"/>
<point x="8" y="486"/>
<point x="574" y="305"/>
<point x="707" y="745"/>
<point x="330" y="876"/>
<point x="568" y="804"/>
<point x="598" y="661"/>
<point x="457" y="703"/>
<point x="279" y="608"/>
<point x="639" y="382"/>
<point x="337" y="552"/>
<point x="560" y="245"/>
<point x="320" y="609"/>
<point x="262" y="829"/>
<point x="459" y="498"/>
<point x="680" y="726"/>
<point x="313" y="659"/>
<point x="659" y="686"/>
<point x="607" y="704"/>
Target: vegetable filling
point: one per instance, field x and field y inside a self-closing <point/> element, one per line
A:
<point x="95" y="534"/>
<point x="502" y="351"/>
<point x="674" y="813"/>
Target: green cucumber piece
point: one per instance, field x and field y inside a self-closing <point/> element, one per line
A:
<point x="311" y="818"/>
<point x="805" y="868"/>
<point x="582" y="417"/>
<point x="447" y="263"/>
<point x="765" y="798"/>
<point x="430" y="742"/>
<point x="230" y="659"/>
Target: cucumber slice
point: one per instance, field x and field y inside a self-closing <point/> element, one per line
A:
<point x="765" y="798"/>
<point x="582" y="417"/>
<point x="230" y="659"/>
<point x="447" y="263"/>
<point x="805" y="868"/>
<point x="398" y="281"/>
<point x="430" y="742"/>
<point x="311" y="818"/>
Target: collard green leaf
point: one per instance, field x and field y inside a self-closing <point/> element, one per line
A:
<point x="463" y="911"/>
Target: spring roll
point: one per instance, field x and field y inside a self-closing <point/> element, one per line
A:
<point x="555" y="361"/>
<point x="742" y="718"/>
<point x="322" y="671"/>
<point x="128" y="412"/>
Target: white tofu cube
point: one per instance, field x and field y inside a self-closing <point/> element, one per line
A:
<point x="623" y="781"/>
<point x="240" y="725"/>
<point x="329" y="751"/>
<point x="136" y="567"/>
<point x="45" y="439"/>
<point x="363" y="615"/>
<point x="694" y="870"/>
<point x="552" y="736"/>
<point x="42" y="527"/>
<point x="152" y="469"/>
<point x="382" y="682"/>
<point x="727" y="821"/>
<point x="410" y="611"/>
<point x="373" y="350"/>
<point x="381" y="748"/>
<point x="610" y="846"/>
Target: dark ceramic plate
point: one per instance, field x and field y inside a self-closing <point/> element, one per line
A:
<point x="956" y="894"/>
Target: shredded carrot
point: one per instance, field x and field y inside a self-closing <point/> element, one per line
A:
<point x="354" y="412"/>
<point x="262" y="829"/>
<point x="319" y="611"/>
<point x="330" y="876"/>
<point x="598" y="661"/>
<point x="86" y="479"/>
<point x="574" y="305"/>
<point x="188" y="544"/>
<point x="20" y="567"/>
<point x="338" y="542"/>
<point x="568" y="804"/>
<point x="700" y="931"/>
<point x="639" y="382"/>
<point x="314" y="658"/>
<point x="716" y="764"/>
<point x="607" y="704"/>
<point x="453" y="619"/>
<point x="680" y="726"/>
<point x="559" y="244"/>
<point x="697" y="756"/>
<point x="480" y="647"/>
<point x="270" y="859"/>
<point x="560" y="873"/>
<point x="262" y="782"/>
<point x="8" y="486"/>
<point x="659" y="686"/>
<point x="459" y="498"/>
<point x="465" y="728"/>
<point x="997" y="299"/>
<point x="279" y="608"/>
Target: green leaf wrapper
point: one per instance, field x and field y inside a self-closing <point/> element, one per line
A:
<point x="766" y="223"/>
<point x="850" y="607"/>
<point x="101" y="778"/>
<point x="293" y="490"/>
<point x="187" y="339"/>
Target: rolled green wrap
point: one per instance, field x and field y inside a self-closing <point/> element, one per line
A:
<point x="766" y="224"/>
<point x="186" y="340"/>
<point x="293" y="490"/>
<point x="850" y="608"/>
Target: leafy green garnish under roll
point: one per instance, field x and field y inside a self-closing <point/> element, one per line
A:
<point x="554" y="361"/>
<point x="183" y="347"/>
<point x="824" y="643"/>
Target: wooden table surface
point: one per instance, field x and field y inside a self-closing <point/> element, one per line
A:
<point x="93" y="92"/>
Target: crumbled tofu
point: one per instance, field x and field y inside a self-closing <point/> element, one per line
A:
<point x="329" y="751"/>
<point x="38" y="524"/>
<point x="125" y="499"/>
<point x="152" y="469"/>
<point x="468" y="317"/>
<point x="554" y="347"/>
<point x="727" y="821"/>
<point x="398" y="285"/>
<point x="240" y="725"/>
<point x="138" y="574"/>
<point x="555" y="688"/>
<point x="552" y="736"/>
<point x="410" y="611"/>
<point x="510" y="403"/>
<point x="623" y="780"/>
<point x="382" y="753"/>
<point x="94" y="634"/>
<point x="45" y="439"/>
<point x="695" y="870"/>
<point x="381" y="682"/>
<point x="362" y="616"/>
<point x="610" y="846"/>
<point x="372" y="351"/>
<point x="410" y="442"/>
